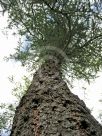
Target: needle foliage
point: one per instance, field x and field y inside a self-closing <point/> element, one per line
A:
<point x="69" y="29"/>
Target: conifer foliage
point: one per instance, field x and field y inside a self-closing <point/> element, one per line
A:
<point x="70" y="30"/>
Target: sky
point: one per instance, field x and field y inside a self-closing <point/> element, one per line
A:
<point x="8" y="43"/>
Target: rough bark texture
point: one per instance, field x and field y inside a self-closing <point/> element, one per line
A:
<point x="50" y="109"/>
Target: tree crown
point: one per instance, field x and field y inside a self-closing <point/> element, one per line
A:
<point x="70" y="30"/>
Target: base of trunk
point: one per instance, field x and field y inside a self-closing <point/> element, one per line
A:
<point x="50" y="109"/>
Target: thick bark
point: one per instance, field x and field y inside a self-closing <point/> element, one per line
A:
<point x="50" y="109"/>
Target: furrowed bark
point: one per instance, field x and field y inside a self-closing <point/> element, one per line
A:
<point x="49" y="108"/>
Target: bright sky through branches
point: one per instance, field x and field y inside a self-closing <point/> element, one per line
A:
<point x="7" y="46"/>
<point x="8" y="43"/>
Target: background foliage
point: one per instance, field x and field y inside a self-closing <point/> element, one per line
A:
<point x="7" y="111"/>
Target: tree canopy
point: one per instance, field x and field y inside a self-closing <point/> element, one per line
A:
<point x="71" y="30"/>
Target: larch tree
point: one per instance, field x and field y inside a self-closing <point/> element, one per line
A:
<point x="60" y="37"/>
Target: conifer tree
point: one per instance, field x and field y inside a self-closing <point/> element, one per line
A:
<point x="64" y="36"/>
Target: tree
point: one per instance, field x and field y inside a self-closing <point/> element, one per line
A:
<point x="65" y="37"/>
<point x="100" y="113"/>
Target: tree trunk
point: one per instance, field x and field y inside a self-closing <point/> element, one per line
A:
<point x="50" y="109"/>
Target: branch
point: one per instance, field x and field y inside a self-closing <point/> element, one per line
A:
<point x="92" y="39"/>
<point x="55" y="10"/>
